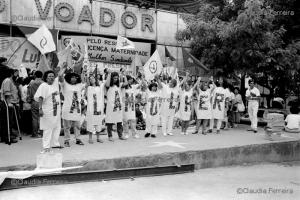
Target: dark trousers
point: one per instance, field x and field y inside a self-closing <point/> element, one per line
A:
<point x="26" y="122"/>
<point x="184" y="125"/>
<point x="35" y="118"/>
<point x="119" y="129"/>
<point x="3" y="122"/>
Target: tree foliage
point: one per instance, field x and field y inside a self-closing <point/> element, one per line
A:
<point x="246" y="36"/>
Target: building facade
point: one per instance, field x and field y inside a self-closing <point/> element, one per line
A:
<point x="90" y="21"/>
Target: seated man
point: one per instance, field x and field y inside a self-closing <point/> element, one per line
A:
<point x="293" y="121"/>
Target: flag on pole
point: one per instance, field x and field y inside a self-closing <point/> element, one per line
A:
<point x="136" y="64"/>
<point x="43" y="64"/>
<point x="124" y="43"/>
<point x="42" y="39"/>
<point x="191" y="63"/>
<point x="74" y="47"/>
<point x="65" y="58"/>
<point x="77" y="56"/>
<point x="168" y="54"/>
<point x="153" y="66"/>
<point x="86" y="66"/>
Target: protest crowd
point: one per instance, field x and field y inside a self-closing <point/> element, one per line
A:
<point x="41" y="105"/>
<point x="62" y="100"/>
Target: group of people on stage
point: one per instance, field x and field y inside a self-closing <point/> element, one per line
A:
<point x="122" y="100"/>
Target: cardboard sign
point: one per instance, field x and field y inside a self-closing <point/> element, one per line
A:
<point x="104" y="50"/>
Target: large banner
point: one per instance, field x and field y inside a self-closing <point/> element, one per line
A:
<point x="113" y="67"/>
<point x="102" y="49"/>
<point x="19" y="51"/>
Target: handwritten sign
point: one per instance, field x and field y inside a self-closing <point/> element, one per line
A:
<point x="102" y="49"/>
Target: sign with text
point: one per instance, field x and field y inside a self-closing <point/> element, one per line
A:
<point x="102" y="49"/>
<point x="81" y="16"/>
<point x="19" y="51"/>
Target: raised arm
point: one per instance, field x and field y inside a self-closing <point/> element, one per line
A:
<point x="62" y="72"/>
<point x="107" y="82"/>
<point x="197" y="83"/>
<point x="125" y="83"/>
<point x="159" y="83"/>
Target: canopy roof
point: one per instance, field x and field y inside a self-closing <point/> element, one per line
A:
<point x="184" y="6"/>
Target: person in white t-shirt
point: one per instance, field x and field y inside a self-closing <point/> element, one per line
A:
<point x="71" y="110"/>
<point x="293" y="121"/>
<point x="48" y="97"/>
<point x="219" y="102"/>
<point x="114" y="112"/>
<point x="95" y="108"/>
<point x="203" y="107"/>
<point x="153" y="107"/>
<point x="252" y="95"/>
<point x="129" y="93"/>
<point x="185" y="108"/>
<point x="170" y="98"/>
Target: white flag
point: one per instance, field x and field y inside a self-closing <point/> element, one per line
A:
<point x="124" y="43"/>
<point x="43" y="40"/>
<point x="22" y="71"/>
<point x="153" y="66"/>
<point x="43" y="64"/>
<point x="65" y="57"/>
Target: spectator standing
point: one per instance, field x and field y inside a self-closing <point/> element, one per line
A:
<point x="32" y="88"/>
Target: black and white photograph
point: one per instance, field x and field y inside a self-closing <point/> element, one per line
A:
<point x="149" y="99"/>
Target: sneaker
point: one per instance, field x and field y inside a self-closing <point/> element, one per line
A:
<point x="122" y="138"/>
<point x="204" y="133"/>
<point x="126" y="136"/>
<point x="147" y="135"/>
<point x="164" y="134"/>
<point x="218" y="132"/>
<point x="209" y="131"/>
<point x="67" y="144"/>
<point x="46" y="150"/>
<point x="196" y="132"/>
<point x="170" y="134"/>
<point x="182" y="133"/>
<point x="36" y="136"/>
<point x="136" y="136"/>
<point x="58" y="147"/>
<point x="186" y="133"/>
<point x="110" y="139"/>
<point x="79" y="142"/>
<point x="249" y="129"/>
<point x="43" y="151"/>
<point x="50" y="151"/>
<point x="255" y="131"/>
<point x="99" y="140"/>
<point x="153" y="136"/>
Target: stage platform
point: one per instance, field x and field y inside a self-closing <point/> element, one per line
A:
<point x="231" y="147"/>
